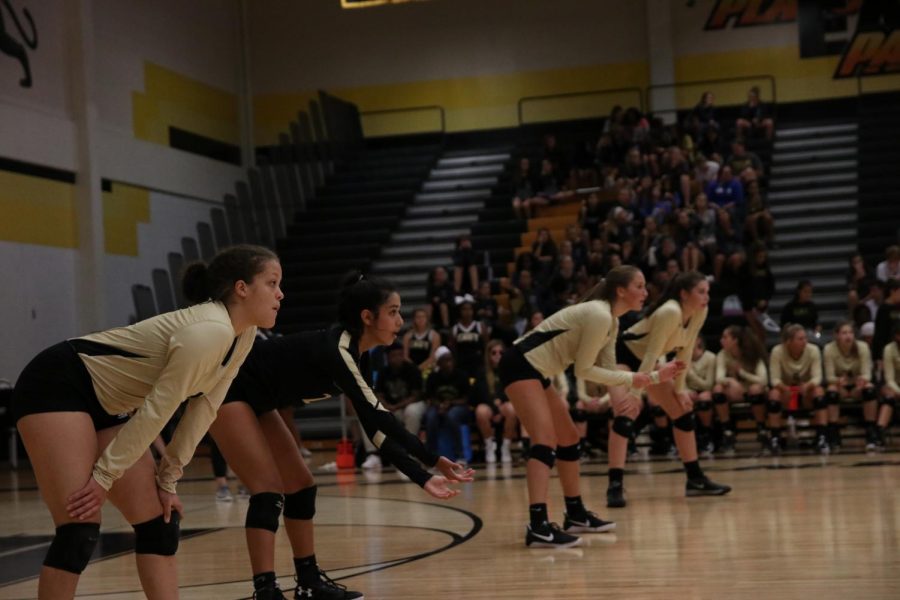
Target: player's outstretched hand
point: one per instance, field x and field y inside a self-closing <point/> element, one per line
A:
<point x="454" y="471"/>
<point x="437" y="487"/>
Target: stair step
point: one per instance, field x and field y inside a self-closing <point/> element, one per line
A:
<point x="468" y="183"/>
<point x="446" y="235"/>
<point x="814" y="193"/>
<point x="820" y="283"/>
<point x="814" y="220"/>
<point x="808" y="269"/>
<point x="831" y="234"/>
<point x="408" y="279"/>
<point x="784" y="210"/>
<point x="472" y="171"/>
<point x="815" y="131"/>
<point x="432" y="197"/>
<point x="805" y="144"/>
<point x="779" y="158"/>
<point x="404" y="264"/>
<point x="447" y="208"/>
<point x="477" y="159"/>
<point x="831" y="300"/>
<point x="393" y="251"/>
<point x="436" y="222"/>
<point x="816" y="181"/>
<point x="813" y="167"/>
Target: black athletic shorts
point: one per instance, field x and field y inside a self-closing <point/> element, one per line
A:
<point x="253" y="390"/>
<point x="515" y="367"/>
<point x="56" y="380"/>
<point x="624" y="356"/>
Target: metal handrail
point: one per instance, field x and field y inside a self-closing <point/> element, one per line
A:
<point x="651" y="88"/>
<point x="436" y="107"/>
<point x="521" y="102"/>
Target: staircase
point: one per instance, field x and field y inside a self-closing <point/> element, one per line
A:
<point x="446" y="207"/>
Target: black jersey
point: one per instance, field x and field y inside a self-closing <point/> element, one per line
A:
<point x="316" y="365"/>
<point x="420" y="347"/>
<point x="469" y="347"/>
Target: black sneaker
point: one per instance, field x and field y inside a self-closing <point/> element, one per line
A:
<point x="269" y="593"/>
<point x="590" y="524"/>
<point x="549" y="535"/>
<point x="727" y="442"/>
<point x="325" y="589"/>
<point x="615" y="495"/>
<point x="705" y="487"/>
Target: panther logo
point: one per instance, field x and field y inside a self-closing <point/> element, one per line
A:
<point x="11" y="46"/>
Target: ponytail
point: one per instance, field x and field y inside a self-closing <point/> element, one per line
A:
<point x="618" y="277"/>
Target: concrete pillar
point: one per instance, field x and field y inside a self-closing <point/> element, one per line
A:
<point x="662" y="58"/>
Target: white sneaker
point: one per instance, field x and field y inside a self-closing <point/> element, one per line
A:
<point x="223" y="494"/>
<point x="505" y="453"/>
<point x="304" y="452"/>
<point x="490" y="451"/>
<point x="373" y="461"/>
<point x="769" y="323"/>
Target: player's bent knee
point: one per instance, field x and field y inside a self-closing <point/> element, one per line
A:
<point x="301" y="504"/>
<point x="623" y="426"/>
<point x="569" y="453"/>
<point x="72" y="547"/>
<point x="157" y="537"/>
<point x="685" y="422"/>
<point x="544" y="454"/>
<point x="264" y="511"/>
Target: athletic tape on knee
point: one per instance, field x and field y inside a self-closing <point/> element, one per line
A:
<point x="885" y="401"/>
<point x="264" y="510"/>
<point x="868" y="394"/>
<point x="774" y="407"/>
<point x="820" y="403"/>
<point x="72" y="546"/>
<point x="703" y="405"/>
<point x="756" y="399"/>
<point x="658" y="411"/>
<point x="832" y="398"/>
<point x="719" y="399"/>
<point x="624" y="426"/>
<point x="301" y="505"/>
<point x="157" y="537"/>
<point x="542" y="453"/>
<point x="685" y="422"/>
<point x="569" y="453"/>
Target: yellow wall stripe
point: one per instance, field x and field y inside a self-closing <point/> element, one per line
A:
<point x="123" y="208"/>
<point x="37" y="211"/>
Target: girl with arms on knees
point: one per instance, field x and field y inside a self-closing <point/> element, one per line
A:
<point x="740" y="373"/>
<point x="584" y="335"/>
<point x="421" y="342"/>
<point x="89" y="408"/>
<point x="701" y="378"/>
<point x="492" y="407"/>
<point x="672" y="325"/>
<point x="848" y="374"/>
<point x="797" y="364"/>
<point x="890" y="393"/>
<point x="312" y="366"/>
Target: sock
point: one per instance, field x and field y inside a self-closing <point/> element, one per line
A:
<point x="307" y="569"/>
<point x="693" y="469"/>
<point x="264" y="580"/>
<point x="574" y="508"/>
<point x="616" y="476"/>
<point x="538" y="514"/>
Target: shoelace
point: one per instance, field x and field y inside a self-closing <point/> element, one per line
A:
<point x="324" y="577"/>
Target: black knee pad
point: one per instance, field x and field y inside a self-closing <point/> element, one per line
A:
<point x="719" y="399"/>
<point x="868" y="394"/>
<point x="578" y="415"/>
<point x="885" y="401"/>
<point x="72" y="547"/>
<point x="685" y="422"/>
<point x="703" y="405"/>
<point x="301" y="505"/>
<point x="756" y="399"/>
<point x="832" y="398"/>
<point x="157" y="537"/>
<point x="624" y="426"/>
<point x="658" y="411"/>
<point x="820" y="403"/>
<point x="264" y="510"/>
<point x="569" y="453"/>
<point x="774" y="407"/>
<point x="545" y="454"/>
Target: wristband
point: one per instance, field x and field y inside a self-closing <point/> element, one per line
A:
<point x="654" y="377"/>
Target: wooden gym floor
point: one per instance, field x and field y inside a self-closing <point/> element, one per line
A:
<point x="794" y="527"/>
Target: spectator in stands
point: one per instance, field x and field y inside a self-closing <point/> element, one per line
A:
<point x="887" y="318"/>
<point x="524" y="299"/>
<point x="421" y="342"/>
<point x="447" y="393"/>
<point x="555" y="155"/>
<point x="701" y="377"/>
<point x="399" y="389"/>
<point x="465" y="267"/>
<point x="649" y="241"/>
<point x="467" y="338"/>
<point x="868" y="307"/>
<point x="593" y="214"/>
<point x="617" y="230"/>
<point x="550" y="187"/>
<point x="858" y="277"/>
<point x="578" y="239"/>
<point x="759" y="223"/>
<point x="703" y="116"/>
<point x="524" y="188"/>
<point x="636" y="166"/>
<point x="545" y="251"/>
<point x="486" y="308"/>
<point x="740" y="371"/>
<point x="795" y="367"/>
<point x="706" y="170"/>
<point x="756" y="286"/>
<point x="744" y="164"/>
<point x="492" y="407"/>
<point x="727" y="194"/>
<point x="848" y="374"/>
<point x="889" y="268"/>
<point x="754" y="117"/>
<point x="684" y="232"/>
<point x="706" y="227"/>
<point x="561" y="286"/>
<point x="890" y="393"/>
<point x="712" y="146"/>
<point x="592" y="400"/>
<point x="534" y="319"/>
<point x="440" y="294"/>
<point x="676" y="175"/>
<point x="801" y="309"/>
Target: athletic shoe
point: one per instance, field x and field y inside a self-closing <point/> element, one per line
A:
<point x="775" y="444"/>
<point x="490" y="451"/>
<point x="705" y="487"/>
<point x="727" y="442"/>
<point x="223" y="494"/>
<point x="549" y="535"/>
<point x="373" y="461"/>
<point x="269" y="593"/>
<point x="615" y="495"/>
<point x="590" y="524"/>
<point x="243" y="493"/>
<point x="769" y="323"/>
<point x="822" y="445"/>
<point x="325" y="589"/>
<point x="305" y="452"/>
<point x="505" y="453"/>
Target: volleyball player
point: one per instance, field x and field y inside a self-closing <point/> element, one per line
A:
<point x="797" y="364"/>
<point x="312" y="366"/>
<point x="701" y="377"/>
<point x="741" y="374"/>
<point x="848" y="374"/>
<point x="421" y="342"/>
<point x="89" y="408"/>
<point x="584" y="335"/>
<point x="890" y="393"/>
<point x="672" y="325"/>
